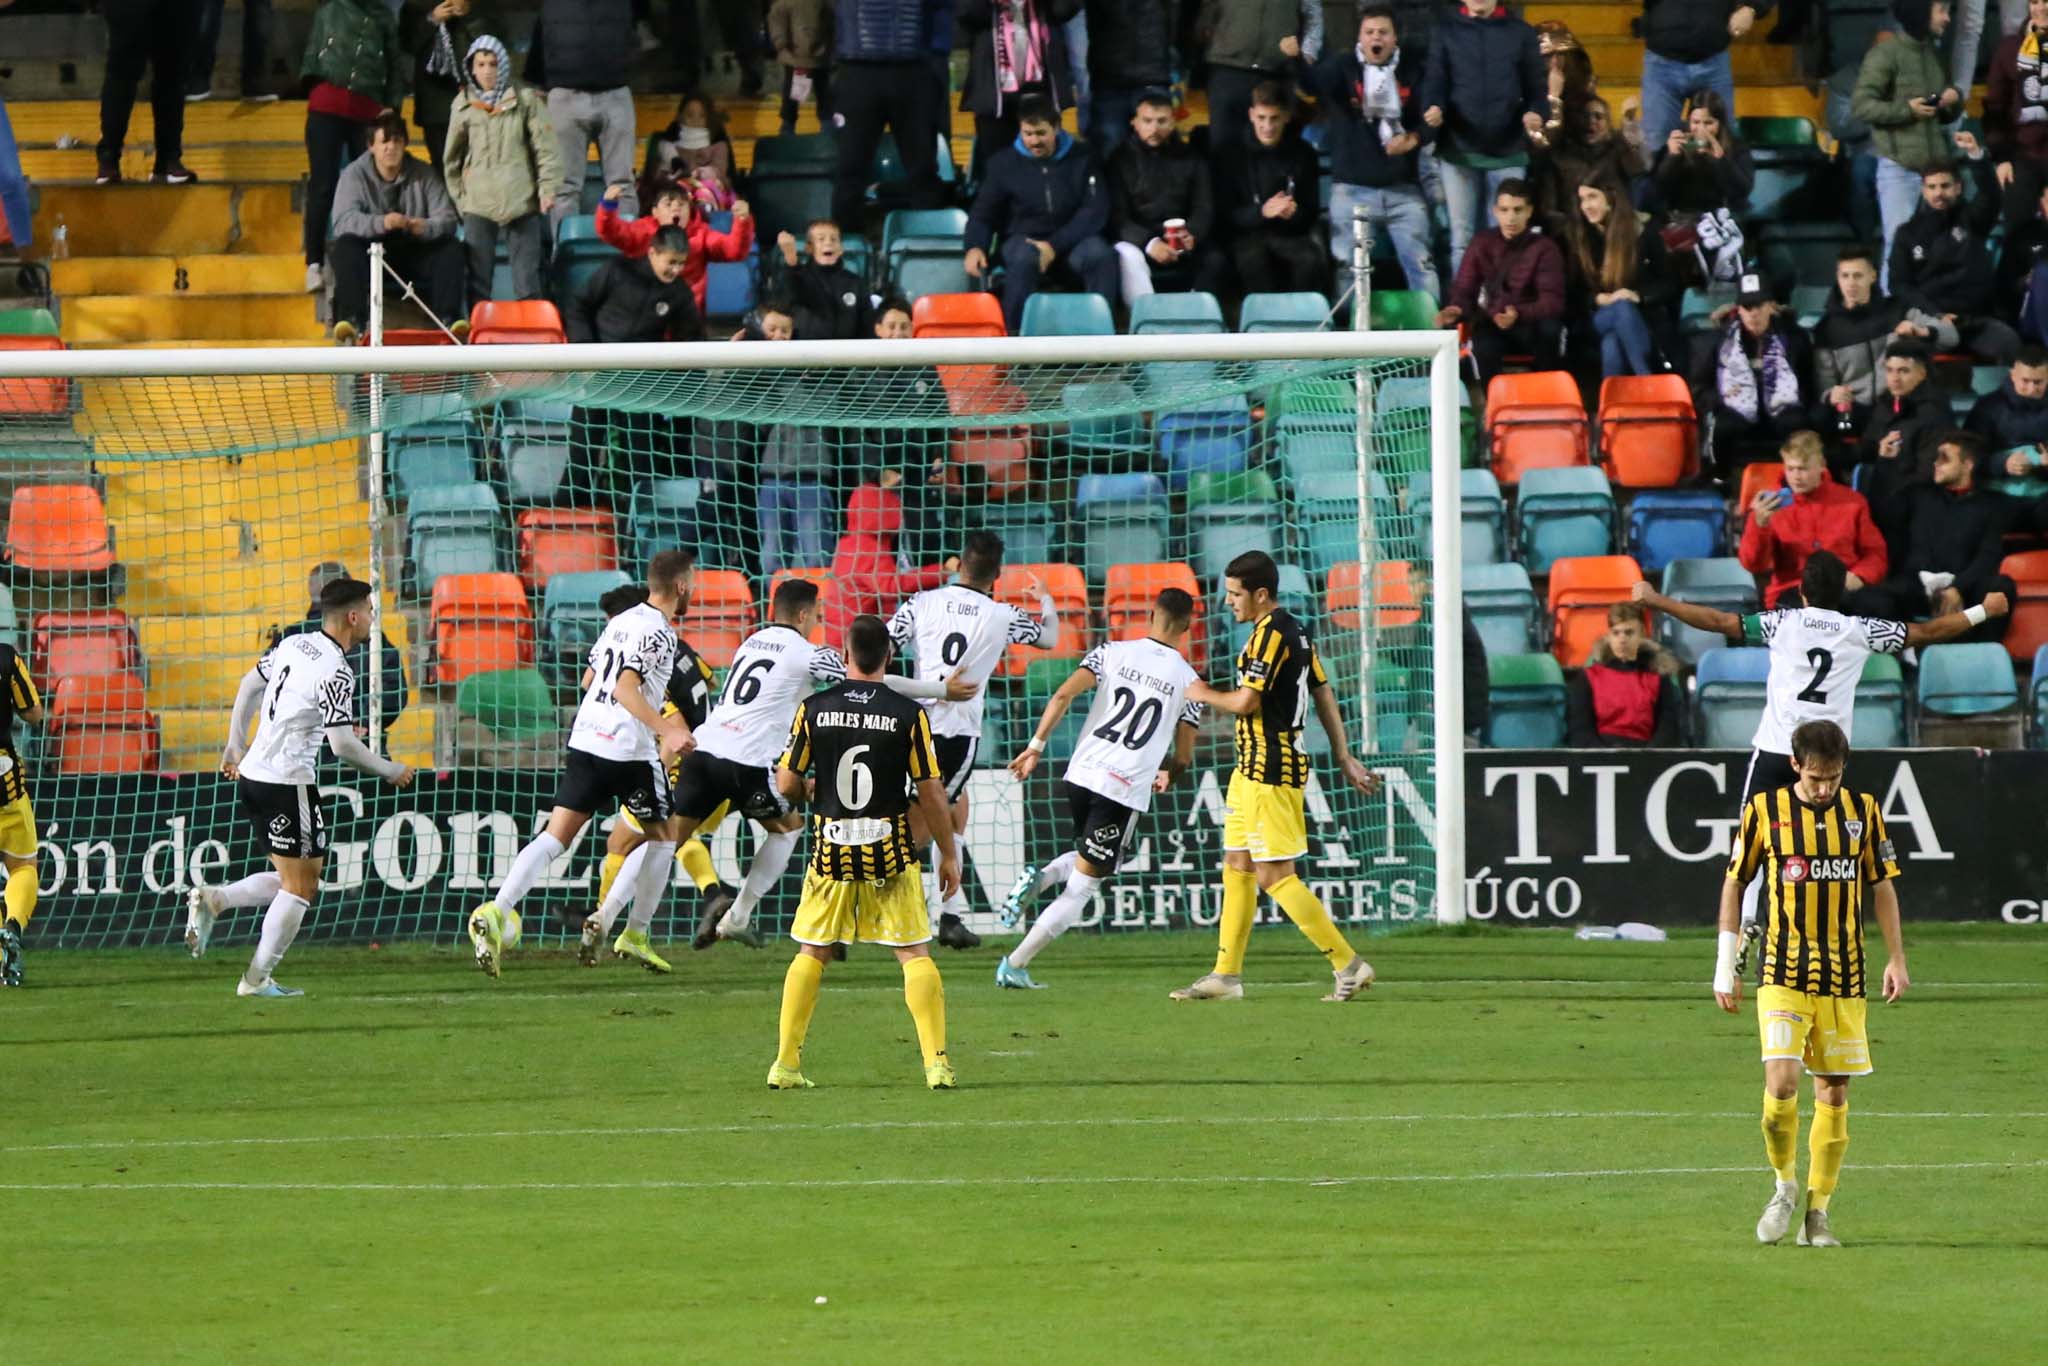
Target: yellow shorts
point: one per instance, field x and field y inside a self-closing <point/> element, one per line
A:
<point x="18" y="829"/>
<point x="891" y="912"/>
<point x="705" y="828"/>
<point x="1824" y="1032"/>
<point x="1264" y="821"/>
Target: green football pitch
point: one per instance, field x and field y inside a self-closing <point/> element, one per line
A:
<point x="1516" y="1147"/>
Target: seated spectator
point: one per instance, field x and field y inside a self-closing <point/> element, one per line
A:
<point x="1752" y="379"/>
<point x="1486" y="92"/>
<point x="1904" y="434"/>
<point x="1941" y="256"/>
<point x="1045" y="199"/>
<point x="1371" y="97"/>
<point x="1811" y="512"/>
<point x="1626" y="696"/>
<point x="831" y="302"/>
<point x="502" y="172"/>
<point x="1953" y="541"/>
<point x="801" y="33"/>
<point x="1015" y="49"/>
<point x="2016" y="114"/>
<point x="694" y="152"/>
<point x="1703" y="166"/>
<point x="868" y="576"/>
<point x="1902" y="93"/>
<point x="1619" y="283"/>
<point x="639" y="298"/>
<point x="892" y="319"/>
<point x="1268" y="186"/>
<point x="1585" y="148"/>
<point x="439" y="34"/>
<point x="356" y="66"/>
<point x="386" y="196"/>
<point x="1849" y="343"/>
<point x="2012" y="420"/>
<point x="1510" y="291"/>
<point x="674" y="208"/>
<point x="1161" y="209"/>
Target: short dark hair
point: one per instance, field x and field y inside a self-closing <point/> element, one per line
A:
<point x="671" y="237"/>
<point x="1969" y="443"/>
<point x="1377" y="9"/>
<point x="894" y="303"/>
<point x="1272" y="95"/>
<point x="390" y="123"/>
<point x="1819" y="740"/>
<point x="2031" y="355"/>
<point x="981" y="559"/>
<point x="777" y="303"/>
<point x="1155" y="97"/>
<point x="1175" y="605"/>
<point x="1907" y="348"/>
<point x="342" y="594"/>
<point x="1037" y="109"/>
<point x="867" y="643"/>
<point x="622" y="598"/>
<point x="1940" y="166"/>
<point x="1515" y="187"/>
<point x="1824" y="579"/>
<point x="666" y="188"/>
<point x="817" y="223"/>
<point x="669" y="565"/>
<point x="1254" y="570"/>
<point x="1857" y="251"/>
<point x="793" y="596"/>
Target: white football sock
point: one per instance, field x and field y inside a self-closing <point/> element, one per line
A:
<point x="956" y="904"/>
<point x="1056" y="872"/>
<point x="651" y="882"/>
<point x="254" y="890"/>
<point x="622" y="887"/>
<point x="527" y="869"/>
<point x="280" y="927"/>
<point x="771" y="861"/>
<point x="1054" y="920"/>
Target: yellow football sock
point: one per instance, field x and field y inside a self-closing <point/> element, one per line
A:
<point x="926" y="996"/>
<point x="607" y="874"/>
<point x="1781" y="1134"/>
<point x="1306" y="910"/>
<point x="1234" y="926"/>
<point x="22" y="885"/>
<point x="1829" y="1140"/>
<point x="696" y="861"/>
<point x="799" y="999"/>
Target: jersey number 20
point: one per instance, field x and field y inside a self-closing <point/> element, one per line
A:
<point x="1144" y="718"/>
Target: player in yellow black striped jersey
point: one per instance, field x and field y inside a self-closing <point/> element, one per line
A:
<point x="870" y="748"/>
<point x="1819" y="847"/>
<point x="1265" y="828"/>
<point x="18" y="701"/>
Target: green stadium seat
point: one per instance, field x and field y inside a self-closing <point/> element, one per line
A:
<point x="1067" y="315"/>
<point x="1401" y="310"/>
<point x="1302" y="311"/>
<point x="27" y="322"/>
<point x="513" y="704"/>
<point x="1525" y="702"/>
<point x="1779" y="134"/>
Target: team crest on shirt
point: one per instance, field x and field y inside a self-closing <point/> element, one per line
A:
<point x="661" y="309"/>
<point x="1795" y="868"/>
<point x="1855" y="829"/>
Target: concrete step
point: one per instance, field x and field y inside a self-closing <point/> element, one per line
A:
<point x="1587" y="18"/>
<point x="243" y="162"/>
<point x="281" y="273"/>
<point x="243" y="343"/>
<point x="170" y="220"/>
<point x="189" y="317"/>
<point x="1754" y="62"/>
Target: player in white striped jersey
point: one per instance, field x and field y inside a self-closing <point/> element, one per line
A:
<point x="961" y="632"/>
<point x="619" y="748"/>
<point x="301" y="693"/>
<point x="1139" y="737"/>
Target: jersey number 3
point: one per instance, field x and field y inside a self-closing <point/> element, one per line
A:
<point x="1822" y="662"/>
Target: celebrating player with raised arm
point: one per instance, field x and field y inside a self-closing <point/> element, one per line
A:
<point x="300" y="693"/>
<point x="1140" y="713"/>
<point x="1818" y="846"/>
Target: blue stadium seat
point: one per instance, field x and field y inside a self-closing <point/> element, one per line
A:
<point x="728" y="289"/>
<point x="1118" y="434"/>
<point x="1303" y="311"/>
<point x="1880" y="716"/>
<point x="1067" y="315"/>
<point x="1483" y="517"/>
<point x="1305" y="453"/>
<point x="1721" y="583"/>
<point x="418" y="465"/>
<point x="579" y="253"/>
<point x="571" y="620"/>
<point x="1673" y="524"/>
<point x="664" y="514"/>
<point x="1561" y="514"/>
<point x="1123" y="521"/>
<point x="1502" y="602"/>
<point x="453" y="529"/>
<point x="1162" y="313"/>
<point x="1525" y="702"/>
<point x="1968" y="695"/>
<point x="1729" y="696"/>
<point x="1215" y="439"/>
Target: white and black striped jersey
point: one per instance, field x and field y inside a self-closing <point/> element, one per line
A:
<point x="1817" y="659"/>
<point x="771" y="675"/>
<point x="1141" y="697"/>
<point x="641" y="639"/>
<point x="961" y="632"/>
<point x="307" y="687"/>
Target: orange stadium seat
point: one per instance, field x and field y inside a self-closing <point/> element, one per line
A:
<point x="957" y="315"/>
<point x="1534" y="421"/>
<point x="1581" y="588"/>
<point x="1002" y="458"/>
<point x="101" y="723"/>
<point x="1393" y="590"/>
<point x="77" y="644"/>
<point x="821" y="577"/>
<point x="497" y="322"/>
<point x="722" y="615"/>
<point x="480" y="622"/>
<point x="59" y="529"/>
<point x="564" y="541"/>
<point x="2029" y="629"/>
<point x="34" y="397"/>
<point x="1068" y="588"/>
<point x="1757" y="477"/>
<point x="1128" y="591"/>
<point x="1649" y="434"/>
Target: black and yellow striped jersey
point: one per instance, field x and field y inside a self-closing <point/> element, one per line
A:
<point x="17" y="697"/>
<point x="867" y="746"/>
<point x="690" y="685"/>
<point x="1279" y="662"/>
<point x="1815" y="861"/>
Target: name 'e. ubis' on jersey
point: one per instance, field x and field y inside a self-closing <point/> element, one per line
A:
<point x="1141" y="696"/>
<point x="307" y="687"/>
<point x="772" y="672"/>
<point x="961" y="632"/>
<point x="1817" y="659"/>
<point x="641" y="639"/>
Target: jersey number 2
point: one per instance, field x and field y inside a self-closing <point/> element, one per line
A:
<point x="277" y="692"/>
<point x="1822" y="661"/>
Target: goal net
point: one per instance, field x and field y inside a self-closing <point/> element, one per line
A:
<point x="171" y="514"/>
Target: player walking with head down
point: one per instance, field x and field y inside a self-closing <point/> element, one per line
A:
<point x="18" y="699"/>
<point x="1139" y="735"/>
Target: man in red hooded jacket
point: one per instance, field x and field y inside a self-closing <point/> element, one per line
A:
<point x="866" y="579"/>
<point x="1812" y="512"/>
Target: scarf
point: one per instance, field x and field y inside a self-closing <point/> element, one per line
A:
<point x="693" y="139"/>
<point x="1379" y="97"/>
<point x="2033" y="90"/>
<point x="487" y="99"/>
<point x="1738" y="381"/>
<point x="441" y="61"/>
<point x="1019" y="37"/>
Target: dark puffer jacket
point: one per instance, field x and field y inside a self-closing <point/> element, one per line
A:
<point x="1941" y="262"/>
<point x="1061" y="199"/>
<point x="627" y="302"/>
<point x="1485" y="73"/>
<point x="889" y="30"/>
<point x="1356" y="154"/>
<point x="1148" y="185"/>
<point x="582" y="45"/>
<point x="354" y="45"/>
<point x="2006" y="420"/>
<point x="980" y="93"/>
<point x="1692" y="30"/>
<point x="1253" y="173"/>
<point x="1130" y="43"/>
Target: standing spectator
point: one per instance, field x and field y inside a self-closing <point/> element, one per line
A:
<point x="156" y="34"/>
<point x="801" y="32"/>
<point x="1016" y="48"/>
<point x="1685" y="48"/>
<point x="1811" y="512"/>
<point x="1509" y="291"/>
<point x="1585" y="148"/>
<point x="695" y="152"/>
<point x="1753" y="378"/>
<point x="1849" y="343"/>
<point x="1373" y="97"/>
<point x="1268" y="187"/>
<point x="1046" y="200"/>
<point x="1951" y="540"/>
<point x="632" y="299"/>
<point x="1902" y="92"/>
<point x="581" y="53"/>
<point x="2012" y="420"/>
<point x="1130" y="50"/>
<point x="1249" y="42"/>
<point x="830" y="302"/>
<point x="391" y="689"/>
<point x="2023" y="272"/>
<point x="1486" y="92"/>
<point x="1903" y="438"/>
<point x="1155" y="179"/>
<point x="1941" y="256"/>
<point x="867" y="573"/>
<point x="439" y="34"/>
<point x="502" y="172"/>
<point x="2016" y="114"/>
<point x="1703" y="166"/>
<point x="884" y="78"/>
<point x="389" y="197"/>
<point x="357" y="66"/>
<point x="793" y="502"/>
<point x="1620" y="282"/>
<point x="255" y="52"/>
<point x="1626" y="696"/>
<point x="673" y="208"/>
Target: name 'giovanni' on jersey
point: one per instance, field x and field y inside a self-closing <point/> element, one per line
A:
<point x="867" y="745"/>
<point x="1141" y="695"/>
<point x="1817" y="659"/>
<point x="307" y="687"/>
<point x="771" y="673"/>
<point x="639" y="639"/>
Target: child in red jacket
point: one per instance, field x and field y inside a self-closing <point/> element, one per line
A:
<point x="865" y="572"/>
<point x="672" y="207"/>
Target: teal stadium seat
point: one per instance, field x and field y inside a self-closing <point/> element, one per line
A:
<point x="1729" y="695"/>
<point x="664" y="513"/>
<point x="1307" y="453"/>
<point x="1525" y="702"/>
<point x="1116" y="432"/>
<point x="579" y="253"/>
<point x="1067" y="315"/>
<point x="1302" y="311"/>
<point x="1327" y="513"/>
<point x="1563" y="513"/>
<point x="453" y="529"/>
<point x="1123" y="520"/>
<point x="1879" y="720"/>
<point x="1969" y="696"/>
<point x="1229" y="514"/>
<point x="1195" y="311"/>
<point x="1483" y="515"/>
<point x="571" y="621"/>
<point x="1722" y="583"/>
<point x="1502" y="602"/>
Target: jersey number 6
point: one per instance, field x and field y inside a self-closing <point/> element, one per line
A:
<point x="855" y="779"/>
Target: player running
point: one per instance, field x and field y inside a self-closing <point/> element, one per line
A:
<point x="961" y="631"/>
<point x="18" y="846"/>
<point x="300" y="692"/>
<point x="1818" y="846"/>
<point x="619" y="747"/>
<point x="868" y="746"/>
<point x="1265" y="830"/>
<point x="1121" y="761"/>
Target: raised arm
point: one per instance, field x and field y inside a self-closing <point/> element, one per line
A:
<point x="1952" y="624"/>
<point x="1691" y="613"/>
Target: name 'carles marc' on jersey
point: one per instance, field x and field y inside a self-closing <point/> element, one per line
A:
<point x="961" y="632"/>
<point x="1817" y="658"/>
<point x="307" y="687"/>
<point x="1141" y="695"/>
<point x="641" y="639"/>
<point x="771" y="675"/>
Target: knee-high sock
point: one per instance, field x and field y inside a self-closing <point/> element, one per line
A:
<point x="1828" y="1141"/>
<point x="527" y="869"/>
<point x="1781" y="1135"/>
<point x="623" y="884"/>
<point x="1309" y="915"/>
<point x="696" y="861"/>
<point x="280" y="927"/>
<point x="956" y="904"/>
<point x="1053" y="921"/>
<point x="1234" y="928"/>
<point x="254" y="890"/>
<point x="925" y="994"/>
<point x="22" y="885"/>
<point x="799" y="999"/>
<point x="608" y="878"/>
<point x="771" y="861"/>
<point x="1056" y="872"/>
<point x="651" y="883"/>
